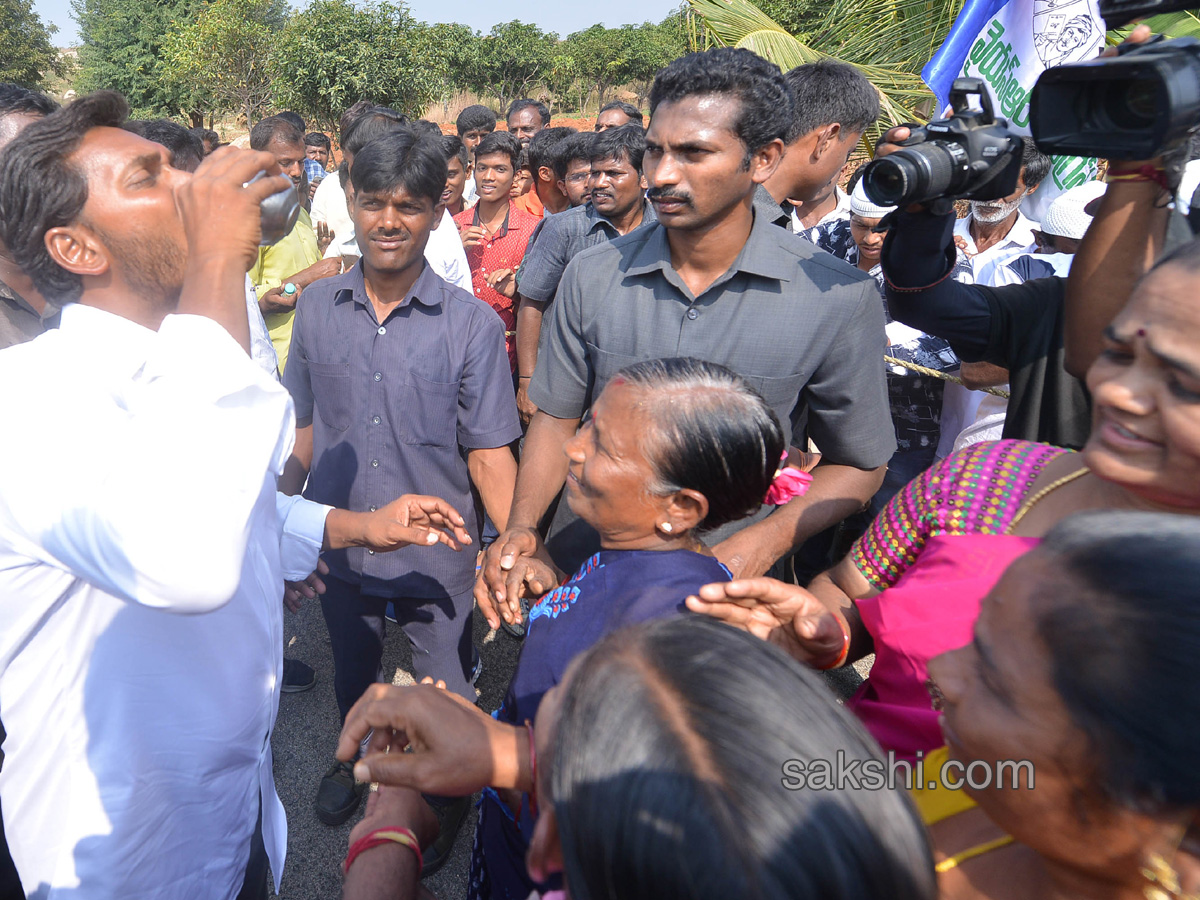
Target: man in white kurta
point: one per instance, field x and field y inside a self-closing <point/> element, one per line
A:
<point x="143" y="545"/>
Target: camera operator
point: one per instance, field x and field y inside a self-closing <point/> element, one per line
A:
<point x="1046" y="331"/>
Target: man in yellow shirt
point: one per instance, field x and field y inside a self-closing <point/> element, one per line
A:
<point x="295" y="260"/>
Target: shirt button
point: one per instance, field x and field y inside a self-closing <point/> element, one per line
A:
<point x="382" y="330"/>
<point x="376" y="420"/>
<point x="370" y="552"/>
<point x="373" y="508"/>
<point x="374" y="464"/>
<point x="691" y="314"/>
<point x="379" y="375"/>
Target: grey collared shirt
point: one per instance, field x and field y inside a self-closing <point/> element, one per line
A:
<point x="765" y="207"/>
<point x="805" y="329"/>
<point x="562" y="237"/>
<point x="391" y="403"/>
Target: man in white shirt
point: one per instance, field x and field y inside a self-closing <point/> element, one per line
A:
<point x="142" y="540"/>
<point x="992" y="234"/>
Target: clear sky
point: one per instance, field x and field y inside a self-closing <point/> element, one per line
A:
<point x="562" y="16"/>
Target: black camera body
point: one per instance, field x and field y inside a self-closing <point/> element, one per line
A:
<point x="972" y="155"/>
<point x="1134" y="106"/>
<point x="1121" y="12"/>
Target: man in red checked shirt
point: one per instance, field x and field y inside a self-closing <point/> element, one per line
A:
<point x="495" y="232"/>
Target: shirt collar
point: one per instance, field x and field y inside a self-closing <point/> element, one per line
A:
<point x="503" y="228"/>
<point x="1020" y="235"/>
<point x="760" y="254"/>
<point x="595" y="219"/>
<point x="425" y="290"/>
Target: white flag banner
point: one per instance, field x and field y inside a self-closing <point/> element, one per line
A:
<point x="1008" y="44"/>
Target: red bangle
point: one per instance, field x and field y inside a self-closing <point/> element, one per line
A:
<point x="844" y="655"/>
<point x="1147" y="173"/>
<point x="378" y="838"/>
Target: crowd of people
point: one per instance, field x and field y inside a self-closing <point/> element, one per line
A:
<point x="675" y="404"/>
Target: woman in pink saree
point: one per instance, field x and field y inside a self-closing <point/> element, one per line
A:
<point x="910" y="588"/>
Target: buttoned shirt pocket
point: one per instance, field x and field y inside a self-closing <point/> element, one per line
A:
<point x="331" y="393"/>
<point x="606" y="364"/>
<point x="430" y="412"/>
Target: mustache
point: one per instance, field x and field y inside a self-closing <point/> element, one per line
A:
<point x="661" y="194"/>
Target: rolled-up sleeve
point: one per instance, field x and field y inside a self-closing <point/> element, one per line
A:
<point x="487" y="406"/>
<point x="562" y="382"/>
<point x="848" y="412"/>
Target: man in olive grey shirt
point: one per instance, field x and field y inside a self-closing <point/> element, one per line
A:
<point x="715" y="281"/>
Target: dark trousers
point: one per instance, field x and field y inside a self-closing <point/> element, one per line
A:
<point x="254" y="886"/>
<point x="439" y="631"/>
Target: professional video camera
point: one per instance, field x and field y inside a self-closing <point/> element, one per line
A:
<point x="1137" y="105"/>
<point x="970" y="155"/>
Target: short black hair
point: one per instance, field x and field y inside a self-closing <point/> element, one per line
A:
<point x="766" y="103"/>
<point x="275" y="128"/>
<point x="713" y="433"/>
<point x="401" y="159"/>
<point x="628" y="108"/>
<point x="352" y="114"/>
<point x="525" y="103"/>
<point x="295" y="118"/>
<point x="187" y="150"/>
<point x="1035" y="165"/>
<point x="575" y="147"/>
<point x="500" y="142"/>
<point x="475" y="118"/>
<point x="374" y="123"/>
<point x="318" y="139"/>
<point x="627" y="142"/>
<point x="825" y="92"/>
<point x="17" y="99"/>
<point x="453" y="147"/>
<point x="41" y="188"/>
<point x="541" y="148"/>
<point x="207" y="134"/>
<point x="424" y="126"/>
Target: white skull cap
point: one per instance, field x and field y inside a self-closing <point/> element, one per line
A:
<point x="1066" y="217"/>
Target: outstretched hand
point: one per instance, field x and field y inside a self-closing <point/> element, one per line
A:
<point x="786" y="615"/>
<point x="453" y="747"/>
<point x="415" y="519"/>
<point x="308" y="589"/>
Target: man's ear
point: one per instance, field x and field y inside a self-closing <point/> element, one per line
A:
<point x="1030" y="189"/>
<point x="827" y="139"/>
<point x="545" y="173"/>
<point x="77" y="249"/>
<point x="642" y="182"/>
<point x="765" y="160"/>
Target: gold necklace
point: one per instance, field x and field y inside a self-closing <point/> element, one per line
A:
<point x="1050" y="488"/>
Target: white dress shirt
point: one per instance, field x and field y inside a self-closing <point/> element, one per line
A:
<point x="444" y="252"/>
<point x="840" y="211"/>
<point x="142" y="550"/>
<point x="329" y="206"/>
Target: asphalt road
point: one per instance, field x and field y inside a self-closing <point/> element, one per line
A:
<point x="306" y="734"/>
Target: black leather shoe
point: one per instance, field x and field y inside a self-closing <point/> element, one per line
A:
<point x="339" y="794"/>
<point x="450" y="812"/>
<point x="297" y="677"/>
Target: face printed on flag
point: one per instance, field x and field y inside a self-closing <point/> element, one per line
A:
<point x="1063" y="32"/>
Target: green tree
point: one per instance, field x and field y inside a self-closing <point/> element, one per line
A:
<point x="513" y="58"/>
<point x="332" y="54"/>
<point x="121" y="50"/>
<point x="608" y="57"/>
<point x="451" y="54"/>
<point x="26" y="54"/>
<point x="221" y="57"/>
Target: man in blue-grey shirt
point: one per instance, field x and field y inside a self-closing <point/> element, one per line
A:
<point x="711" y="279"/>
<point x="392" y="372"/>
<point x="617" y="206"/>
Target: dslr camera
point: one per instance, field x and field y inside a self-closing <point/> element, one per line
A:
<point x="972" y="155"/>
<point x="1138" y="105"/>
